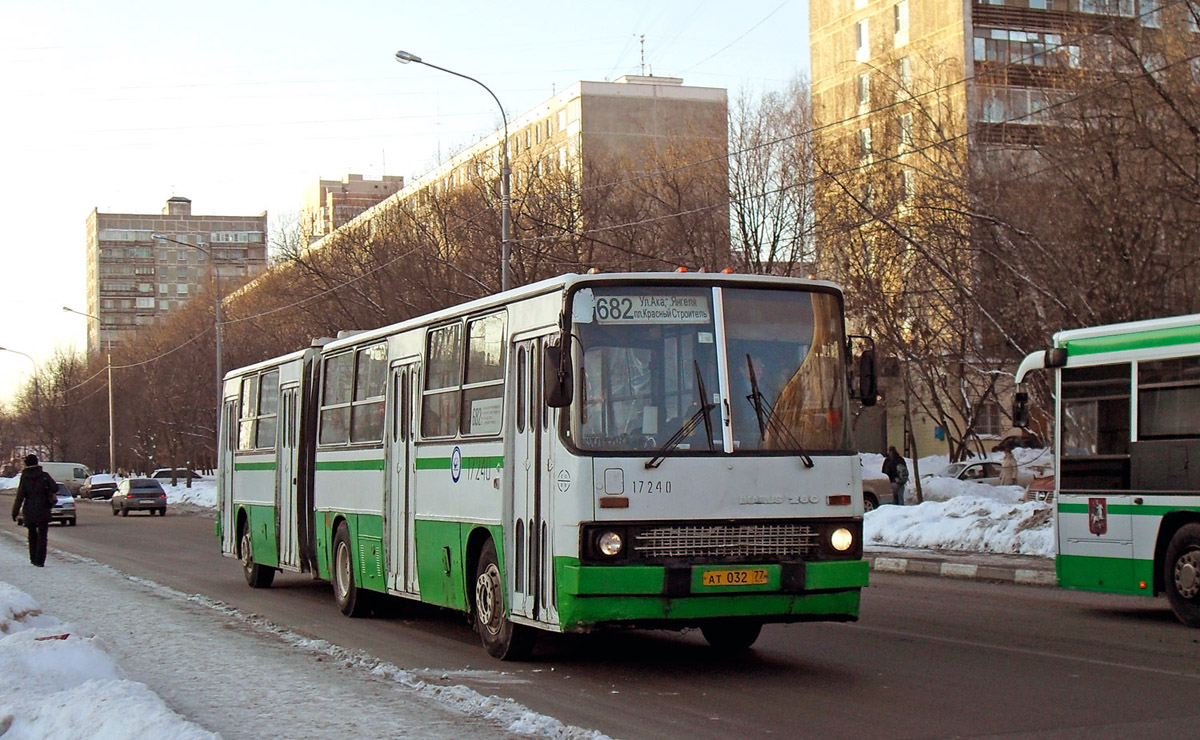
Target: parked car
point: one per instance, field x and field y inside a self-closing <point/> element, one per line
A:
<point x="987" y="472"/>
<point x="63" y="511"/>
<point x="876" y="491"/>
<point x="180" y="474"/>
<point x="100" y="485"/>
<point x="139" y="494"/>
<point x="1040" y="489"/>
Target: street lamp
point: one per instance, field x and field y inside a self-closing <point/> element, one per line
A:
<point x="212" y="260"/>
<point x="112" y="447"/>
<point x="505" y="173"/>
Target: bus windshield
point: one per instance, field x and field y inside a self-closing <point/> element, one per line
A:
<point x="648" y="361"/>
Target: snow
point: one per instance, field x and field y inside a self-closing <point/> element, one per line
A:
<point x="59" y="682"/>
<point x="962" y="515"/>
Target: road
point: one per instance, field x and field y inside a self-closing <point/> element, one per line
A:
<point x="930" y="657"/>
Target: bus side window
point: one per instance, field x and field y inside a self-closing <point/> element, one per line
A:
<point x="522" y="374"/>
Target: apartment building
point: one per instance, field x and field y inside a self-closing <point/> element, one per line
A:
<point x="983" y="73"/>
<point x="329" y="204"/>
<point x="135" y="280"/>
<point x="592" y="138"/>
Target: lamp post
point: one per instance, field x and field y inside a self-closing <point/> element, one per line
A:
<point x="505" y="173"/>
<point x="212" y="260"/>
<point x="112" y="447"/>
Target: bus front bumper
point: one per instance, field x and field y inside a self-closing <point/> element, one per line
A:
<point x="674" y="597"/>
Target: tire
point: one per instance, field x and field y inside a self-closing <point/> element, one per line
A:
<point x="501" y="638"/>
<point x="731" y="634"/>
<point x="71" y="522"/>
<point x="870" y="503"/>
<point x="257" y="576"/>
<point x="1181" y="574"/>
<point x="352" y="600"/>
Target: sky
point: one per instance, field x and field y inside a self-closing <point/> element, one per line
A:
<point x="67" y="652"/>
<point x="120" y="105"/>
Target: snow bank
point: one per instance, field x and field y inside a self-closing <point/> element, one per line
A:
<point x="60" y="683"/>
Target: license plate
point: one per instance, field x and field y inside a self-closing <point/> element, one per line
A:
<point x="735" y="577"/>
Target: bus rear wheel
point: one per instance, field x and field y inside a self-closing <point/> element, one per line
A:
<point x="1182" y="574"/>
<point x="731" y="634"/>
<point x="352" y="600"/>
<point x="501" y="638"/>
<point x="257" y="576"/>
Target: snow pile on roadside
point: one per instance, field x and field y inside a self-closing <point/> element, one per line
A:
<point x="60" y="683"/>
<point x="202" y="493"/>
<point x="8" y="484"/>
<point x="980" y="521"/>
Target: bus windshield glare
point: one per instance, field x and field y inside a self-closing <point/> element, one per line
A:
<point x="771" y="365"/>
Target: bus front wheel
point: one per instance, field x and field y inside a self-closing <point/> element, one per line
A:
<point x="501" y="638"/>
<point x="1182" y="574"/>
<point x="731" y="634"/>
<point x="257" y="576"/>
<point x="352" y="600"/>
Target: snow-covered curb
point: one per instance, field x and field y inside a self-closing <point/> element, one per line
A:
<point x="59" y="681"/>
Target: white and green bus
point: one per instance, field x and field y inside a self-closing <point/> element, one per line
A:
<point x="643" y="450"/>
<point x="1127" y="500"/>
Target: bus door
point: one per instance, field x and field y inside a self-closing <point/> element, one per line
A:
<point x="287" y="476"/>
<point x="228" y="443"/>
<point x="528" y="550"/>
<point x="398" y="510"/>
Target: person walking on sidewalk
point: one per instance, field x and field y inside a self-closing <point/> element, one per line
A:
<point x="37" y="493"/>
<point x="896" y="470"/>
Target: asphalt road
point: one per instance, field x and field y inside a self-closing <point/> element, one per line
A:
<point x="930" y="657"/>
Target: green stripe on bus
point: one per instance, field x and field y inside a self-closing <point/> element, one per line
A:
<point x="350" y="464"/>
<point x="1131" y="509"/>
<point x="468" y="463"/>
<point x="1134" y="340"/>
<point x="254" y="466"/>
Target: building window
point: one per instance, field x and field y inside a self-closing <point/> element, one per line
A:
<point x="864" y="89"/>
<point x="904" y="74"/>
<point x="181" y="289"/>
<point x="864" y="143"/>
<point x="1151" y="13"/>
<point x="145" y="303"/>
<point x="164" y="305"/>
<point x="900" y="21"/>
<point x="862" y="42"/>
<point x="989" y="420"/>
<point x="908" y="185"/>
<point x="905" y="132"/>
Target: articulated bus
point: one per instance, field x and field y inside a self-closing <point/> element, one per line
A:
<point x="1127" y="502"/>
<point x="628" y="450"/>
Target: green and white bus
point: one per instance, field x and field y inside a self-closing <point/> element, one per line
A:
<point x="1127" y="500"/>
<point x="643" y="450"/>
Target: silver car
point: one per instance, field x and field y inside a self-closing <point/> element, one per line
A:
<point x="139" y="494"/>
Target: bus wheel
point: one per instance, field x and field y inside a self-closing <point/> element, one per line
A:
<point x="731" y="634"/>
<point x="1182" y="574"/>
<point x="257" y="576"/>
<point x="352" y="600"/>
<point x="501" y="638"/>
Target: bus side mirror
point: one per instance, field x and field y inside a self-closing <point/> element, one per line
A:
<point x="557" y="377"/>
<point x="868" y="384"/>
<point x="1020" y="410"/>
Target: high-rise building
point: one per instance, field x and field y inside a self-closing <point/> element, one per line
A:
<point x="135" y="280"/>
<point x="595" y="142"/>
<point x="329" y="204"/>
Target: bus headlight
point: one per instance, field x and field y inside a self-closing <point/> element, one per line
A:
<point x="609" y="543"/>
<point x="841" y="539"/>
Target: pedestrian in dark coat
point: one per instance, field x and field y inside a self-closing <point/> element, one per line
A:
<point x="896" y="470"/>
<point x="37" y="494"/>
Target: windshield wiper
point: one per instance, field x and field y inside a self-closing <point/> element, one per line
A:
<point x="689" y="425"/>
<point x="767" y="420"/>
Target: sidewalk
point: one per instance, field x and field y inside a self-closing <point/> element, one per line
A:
<point x="1024" y="569"/>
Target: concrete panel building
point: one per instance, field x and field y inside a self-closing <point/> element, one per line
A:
<point x="329" y="204"/>
<point x="135" y="280"/>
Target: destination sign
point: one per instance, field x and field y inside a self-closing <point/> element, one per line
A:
<point x="652" y="309"/>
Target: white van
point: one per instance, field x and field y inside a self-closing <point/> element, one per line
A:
<point x="70" y="474"/>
